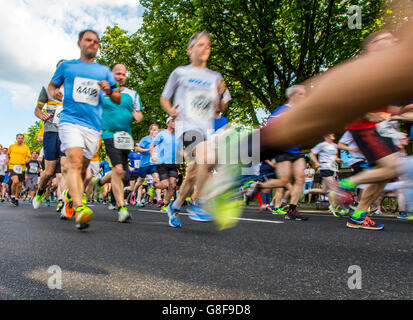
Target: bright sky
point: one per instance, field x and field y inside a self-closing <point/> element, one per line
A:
<point x="36" y="35"/>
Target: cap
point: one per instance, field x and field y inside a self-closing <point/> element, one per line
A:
<point x="169" y="119"/>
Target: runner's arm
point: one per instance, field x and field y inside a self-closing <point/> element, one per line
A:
<point x="137" y="115"/>
<point x="167" y="107"/>
<point x="54" y="90"/>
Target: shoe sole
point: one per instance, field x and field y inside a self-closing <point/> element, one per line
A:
<point x="357" y="226"/>
<point x="169" y="219"/>
<point x="84" y="218"/>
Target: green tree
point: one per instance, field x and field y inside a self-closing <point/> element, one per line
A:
<point x="31" y="137"/>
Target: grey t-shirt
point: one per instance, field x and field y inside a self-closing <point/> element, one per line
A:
<point x="50" y="125"/>
<point x="327" y="155"/>
<point x="195" y="90"/>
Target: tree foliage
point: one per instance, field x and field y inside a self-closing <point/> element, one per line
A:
<point x="31" y="137"/>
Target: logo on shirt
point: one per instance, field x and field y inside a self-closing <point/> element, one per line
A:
<point x="200" y="82"/>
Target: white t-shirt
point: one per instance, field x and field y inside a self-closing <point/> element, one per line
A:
<point x="195" y="90"/>
<point x="3" y="158"/>
<point x="354" y="157"/>
<point x="327" y="155"/>
<point x="309" y="171"/>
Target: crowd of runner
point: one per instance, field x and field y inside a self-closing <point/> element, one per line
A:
<point x="87" y="111"/>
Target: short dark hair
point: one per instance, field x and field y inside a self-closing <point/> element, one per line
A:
<point x="60" y="61"/>
<point x="20" y="134"/>
<point x="82" y="33"/>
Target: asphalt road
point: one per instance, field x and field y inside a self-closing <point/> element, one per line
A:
<point x="262" y="258"/>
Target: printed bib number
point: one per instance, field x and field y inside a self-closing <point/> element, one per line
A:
<point x="56" y="116"/>
<point x="34" y="168"/>
<point x="86" y="91"/>
<point x="199" y="105"/>
<point x="123" y="140"/>
<point x="18" y="169"/>
<point x="136" y="164"/>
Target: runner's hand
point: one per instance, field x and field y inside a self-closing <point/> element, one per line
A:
<point x="45" y="116"/>
<point x="58" y="95"/>
<point x="174" y="112"/>
<point x="104" y="85"/>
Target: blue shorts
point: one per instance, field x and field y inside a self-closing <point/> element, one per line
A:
<point x="51" y="146"/>
<point x="144" y="171"/>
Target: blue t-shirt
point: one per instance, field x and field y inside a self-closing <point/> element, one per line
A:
<point x="82" y="103"/>
<point x="276" y="113"/>
<point x="118" y="117"/>
<point x="167" y="147"/>
<point x="105" y="167"/>
<point x="220" y="123"/>
<point x="134" y="161"/>
<point x="146" y="156"/>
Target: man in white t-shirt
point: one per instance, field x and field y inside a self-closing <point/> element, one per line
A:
<point x="324" y="155"/>
<point x="309" y="179"/>
<point x="198" y="92"/>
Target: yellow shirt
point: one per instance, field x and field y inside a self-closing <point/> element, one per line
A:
<point x="18" y="155"/>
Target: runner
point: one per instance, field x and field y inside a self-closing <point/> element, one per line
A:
<point x="53" y="158"/>
<point x="3" y="164"/>
<point x="166" y="163"/>
<point x="80" y="120"/>
<point x="117" y="136"/>
<point x="19" y="155"/>
<point x="325" y="157"/>
<point x="146" y="167"/>
<point x="198" y="92"/>
<point x="289" y="163"/>
<point x="132" y="175"/>
<point x="32" y="174"/>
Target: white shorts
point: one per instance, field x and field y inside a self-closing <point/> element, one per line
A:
<point x="94" y="168"/>
<point x="77" y="136"/>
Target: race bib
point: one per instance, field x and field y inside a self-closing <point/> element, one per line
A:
<point x="86" y="91"/>
<point x="34" y="168"/>
<point x="136" y="164"/>
<point x="123" y="140"/>
<point x="57" y="114"/>
<point x="18" y="168"/>
<point x="200" y="105"/>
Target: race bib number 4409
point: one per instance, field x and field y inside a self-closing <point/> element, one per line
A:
<point x="86" y="91"/>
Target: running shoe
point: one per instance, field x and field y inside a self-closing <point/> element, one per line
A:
<point x="37" y="200"/>
<point x="364" y="222"/>
<point x="164" y="209"/>
<point x="84" y="199"/>
<point x="335" y="210"/>
<point x="132" y="199"/>
<point x="139" y="204"/>
<point x="47" y="203"/>
<point x="159" y="203"/>
<point x="278" y="211"/>
<point x="402" y="215"/>
<point x="123" y="215"/>
<point x="252" y="192"/>
<point x="174" y="221"/>
<point x="265" y="207"/>
<point x="59" y="206"/>
<point x="294" y="215"/>
<point x="83" y="216"/>
<point x="111" y="206"/>
<point x="196" y="213"/>
<point x="14" y="202"/>
<point x="344" y="193"/>
<point x="68" y="209"/>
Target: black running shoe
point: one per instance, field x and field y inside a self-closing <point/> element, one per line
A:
<point x="294" y="215"/>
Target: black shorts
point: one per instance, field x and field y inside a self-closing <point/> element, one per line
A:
<point x="130" y="176"/>
<point x="326" y="173"/>
<point x="372" y="145"/>
<point x="1" y="179"/>
<point x="116" y="156"/>
<point x="166" y="171"/>
<point x="357" y="167"/>
<point x="285" y="156"/>
<point x="20" y="176"/>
